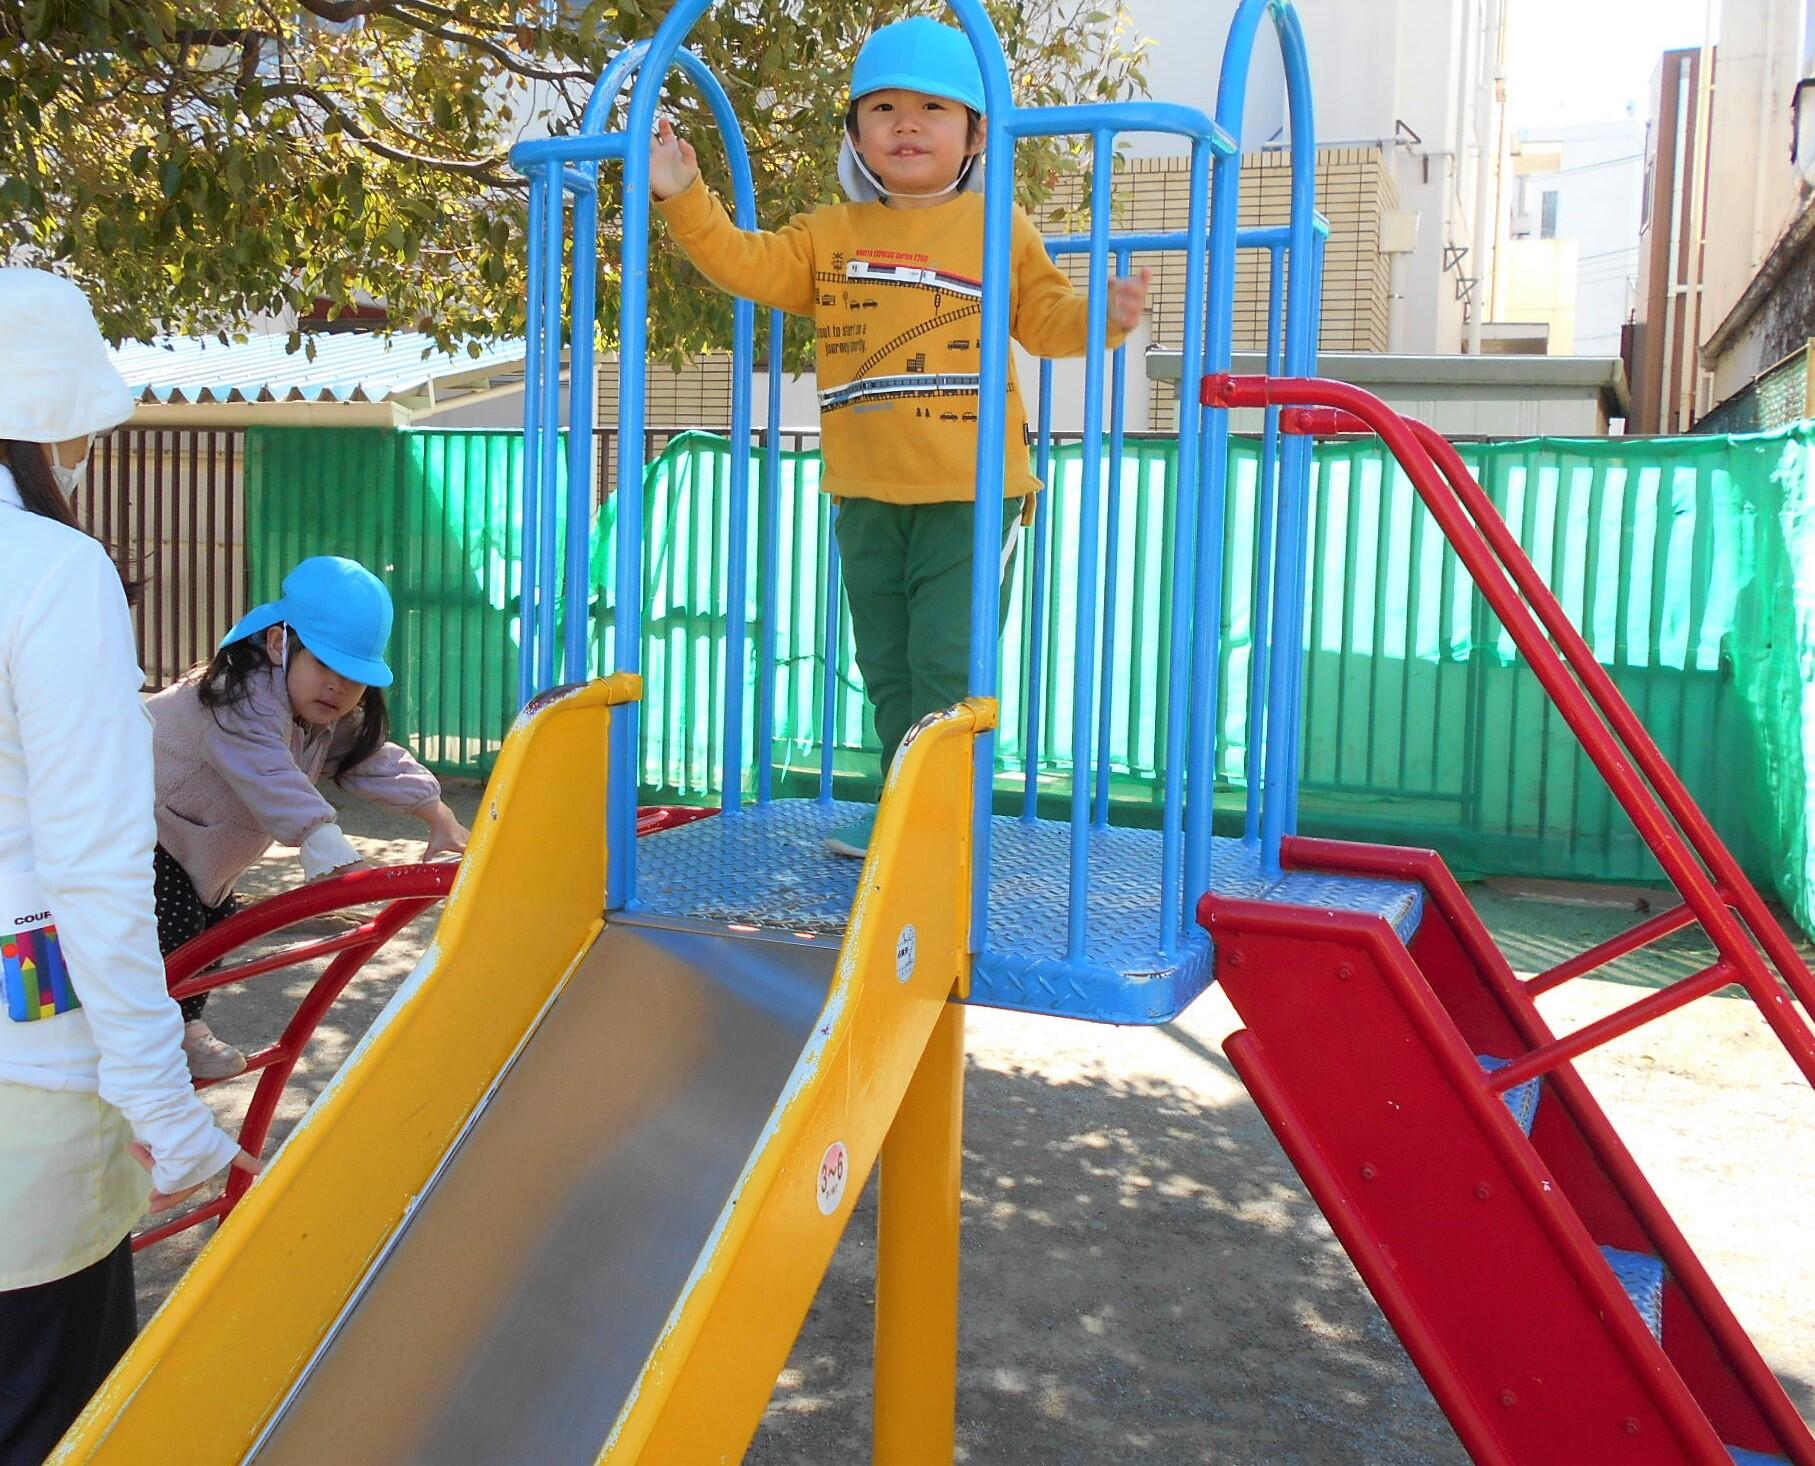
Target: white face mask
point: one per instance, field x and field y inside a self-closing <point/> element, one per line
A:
<point x="69" y="479"/>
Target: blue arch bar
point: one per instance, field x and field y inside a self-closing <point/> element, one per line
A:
<point x="569" y="166"/>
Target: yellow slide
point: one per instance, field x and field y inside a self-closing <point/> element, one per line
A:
<point x="572" y="1196"/>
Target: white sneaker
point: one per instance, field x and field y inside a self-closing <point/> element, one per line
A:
<point x="208" y="1057"/>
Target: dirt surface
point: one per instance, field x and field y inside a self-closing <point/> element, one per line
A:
<point x="1145" y="1278"/>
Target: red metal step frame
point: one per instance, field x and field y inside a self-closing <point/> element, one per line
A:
<point x="1592" y="1167"/>
<point x="1467" y="1241"/>
<point x="1626" y="725"/>
<point x="403" y="890"/>
<point x="1490" y="1005"/>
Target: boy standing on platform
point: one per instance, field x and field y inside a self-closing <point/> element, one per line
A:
<point x="893" y="281"/>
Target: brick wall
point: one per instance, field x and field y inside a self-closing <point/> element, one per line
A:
<point x="1353" y="190"/>
<point x="699" y="396"/>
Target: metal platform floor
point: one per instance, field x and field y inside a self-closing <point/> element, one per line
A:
<point x="766" y="866"/>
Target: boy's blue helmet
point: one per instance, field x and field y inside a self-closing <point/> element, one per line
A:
<point x="339" y="610"/>
<point x="919" y="55"/>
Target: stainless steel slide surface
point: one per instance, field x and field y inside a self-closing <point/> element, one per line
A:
<point x="512" y="1316"/>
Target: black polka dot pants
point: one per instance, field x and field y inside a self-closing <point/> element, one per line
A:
<point x="183" y="915"/>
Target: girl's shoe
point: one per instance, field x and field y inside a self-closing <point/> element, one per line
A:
<point x="852" y="839"/>
<point x="208" y="1057"/>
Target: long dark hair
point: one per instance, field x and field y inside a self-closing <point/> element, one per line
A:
<point x="224" y="680"/>
<point x="38" y="491"/>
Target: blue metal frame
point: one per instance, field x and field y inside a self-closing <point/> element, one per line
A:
<point x="557" y="167"/>
<point x="644" y="67"/>
<point x="769" y="556"/>
<point x="1103" y="123"/>
<point x="1304" y="242"/>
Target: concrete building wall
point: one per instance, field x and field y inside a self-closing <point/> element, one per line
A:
<point x="1661" y="352"/>
<point x="1753" y="189"/>
<point x="1726" y="290"/>
<point x="1584" y="185"/>
<point x="1488" y="396"/>
<point x="1777" y="319"/>
<point x="1538" y="285"/>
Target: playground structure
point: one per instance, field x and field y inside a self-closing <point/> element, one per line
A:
<point x="654" y="1075"/>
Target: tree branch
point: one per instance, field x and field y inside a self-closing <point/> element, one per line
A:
<point x="490" y="48"/>
<point x="484" y="169"/>
<point x="412" y="13"/>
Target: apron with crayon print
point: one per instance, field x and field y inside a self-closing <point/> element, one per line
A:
<point x="33" y="973"/>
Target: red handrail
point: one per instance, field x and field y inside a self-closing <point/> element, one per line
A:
<point x="1488" y="558"/>
<point x="405" y="890"/>
<point x="1619" y="714"/>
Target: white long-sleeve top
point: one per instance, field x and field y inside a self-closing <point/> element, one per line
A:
<point x="76" y="820"/>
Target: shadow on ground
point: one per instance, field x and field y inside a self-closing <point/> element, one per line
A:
<point x="1145" y="1280"/>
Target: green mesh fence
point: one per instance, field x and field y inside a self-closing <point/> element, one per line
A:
<point x="1687" y="562"/>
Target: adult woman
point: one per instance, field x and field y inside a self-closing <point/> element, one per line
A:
<point x="94" y="1090"/>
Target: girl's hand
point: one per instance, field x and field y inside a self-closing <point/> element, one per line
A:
<point x="673" y="165"/>
<point x="1126" y="297"/>
<point x="447" y="836"/>
<point x="162" y="1201"/>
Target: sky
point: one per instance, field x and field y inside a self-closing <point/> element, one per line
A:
<point x="1571" y="61"/>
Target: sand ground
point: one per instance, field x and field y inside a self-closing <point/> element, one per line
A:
<point x="1146" y="1279"/>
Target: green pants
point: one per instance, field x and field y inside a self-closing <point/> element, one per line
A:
<point x="907" y="575"/>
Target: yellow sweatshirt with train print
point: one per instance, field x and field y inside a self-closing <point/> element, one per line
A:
<point x="897" y="297"/>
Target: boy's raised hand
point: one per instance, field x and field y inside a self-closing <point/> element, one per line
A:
<point x="673" y="165"/>
<point x="1127" y="296"/>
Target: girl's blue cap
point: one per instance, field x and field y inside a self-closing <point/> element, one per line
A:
<point x="338" y="609"/>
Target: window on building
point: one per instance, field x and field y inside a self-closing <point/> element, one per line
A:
<point x="1547" y="221"/>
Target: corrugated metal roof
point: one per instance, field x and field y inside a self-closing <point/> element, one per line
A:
<point x="347" y="367"/>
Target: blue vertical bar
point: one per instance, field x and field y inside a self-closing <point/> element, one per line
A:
<point x="1034" y="711"/>
<point x="1260" y="599"/>
<point x="633" y="347"/>
<point x="1112" y="549"/>
<point x="992" y="401"/>
<point x="1295" y="764"/>
<point x="828" y="719"/>
<point x="580" y="403"/>
<point x="533" y="388"/>
<point x="1286" y="662"/>
<point x="1213" y="471"/>
<point x="1187" y="489"/>
<point x="1090" y="508"/>
<point x="548" y="501"/>
<point x="768" y="552"/>
<point x="737" y="549"/>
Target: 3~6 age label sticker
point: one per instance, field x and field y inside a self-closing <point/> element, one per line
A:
<point x="834" y="1171"/>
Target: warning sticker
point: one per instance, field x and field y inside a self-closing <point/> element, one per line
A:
<point x="834" y="1171"/>
<point x="907" y="953"/>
